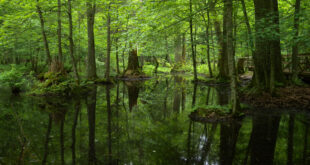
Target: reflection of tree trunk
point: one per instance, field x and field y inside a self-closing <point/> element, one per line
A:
<point x="177" y="94"/>
<point x="77" y="110"/>
<point x="183" y="98"/>
<point x="290" y="140"/>
<point x="245" y="162"/>
<point x="229" y="136"/>
<point x="305" y="145"/>
<point x="133" y="94"/>
<point x="109" y="125"/>
<point x="264" y="137"/>
<point x="222" y="96"/>
<point x="62" y="147"/>
<point x="208" y="96"/>
<point x="91" y="111"/>
<point x="165" y="101"/>
<point x="194" y="95"/>
<point x="189" y="156"/>
<point x="47" y="138"/>
<point x="207" y="146"/>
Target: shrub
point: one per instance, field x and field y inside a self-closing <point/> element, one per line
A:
<point x="13" y="78"/>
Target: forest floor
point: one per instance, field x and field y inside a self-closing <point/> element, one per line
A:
<point x="291" y="97"/>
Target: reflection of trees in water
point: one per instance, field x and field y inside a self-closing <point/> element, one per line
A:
<point x="133" y="94"/>
<point x="179" y="94"/>
<point x="222" y="95"/>
<point x="229" y="135"/>
<point x="47" y="139"/>
<point x="109" y="124"/>
<point x="305" y="154"/>
<point x="76" y="115"/>
<point x="263" y="139"/>
<point x="91" y="113"/>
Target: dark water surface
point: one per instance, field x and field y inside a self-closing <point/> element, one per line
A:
<point x="145" y="123"/>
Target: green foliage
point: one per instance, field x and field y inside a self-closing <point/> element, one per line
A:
<point x="14" y="78"/>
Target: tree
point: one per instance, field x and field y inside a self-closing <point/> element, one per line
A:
<point x="267" y="57"/>
<point x="107" y="73"/>
<point x="192" y="40"/>
<point x="60" y="58"/>
<point x="91" y="60"/>
<point x="47" y="50"/>
<point x="295" y="43"/>
<point x="228" y="13"/>
<point x="71" y="43"/>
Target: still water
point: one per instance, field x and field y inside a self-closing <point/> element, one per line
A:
<point x="145" y="123"/>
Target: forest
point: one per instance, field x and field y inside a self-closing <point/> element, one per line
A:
<point x="154" y="82"/>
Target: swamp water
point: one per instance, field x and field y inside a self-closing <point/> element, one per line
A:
<point x="145" y="123"/>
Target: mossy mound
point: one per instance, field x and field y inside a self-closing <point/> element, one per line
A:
<point x="133" y="75"/>
<point x="211" y="115"/>
<point x="55" y="83"/>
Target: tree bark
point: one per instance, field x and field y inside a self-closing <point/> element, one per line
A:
<point x="228" y="13"/>
<point x="91" y="60"/>
<point x="107" y="73"/>
<point x="246" y="19"/>
<point x="47" y="50"/>
<point x="192" y="41"/>
<point x="295" y="43"/>
<point x="60" y="57"/>
<point x="267" y="56"/>
<point x="222" y="61"/>
<point x="207" y="24"/>
<point x="71" y="43"/>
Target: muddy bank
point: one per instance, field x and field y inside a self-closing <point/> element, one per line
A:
<point x="289" y="98"/>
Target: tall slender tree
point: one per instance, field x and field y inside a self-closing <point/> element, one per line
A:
<point x="192" y="40"/>
<point x="71" y="43"/>
<point x="46" y="46"/>
<point x="91" y="59"/>
<point x="60" y="57"/>
<point x="295" y="43"/>
<point x="228" y="13"/>
<point x="107" y="71"/>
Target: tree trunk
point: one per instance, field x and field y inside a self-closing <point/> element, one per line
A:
<point x="167" y="49"/>
<point x="91" y="113"/>
<point x="71" y="43"/>
<point x="60" y="58"/>
<point x="222" y="61"/>
<point x="295" y="43"/>
<point x="117" y="56"/>
<point x="107" y="73"/>
<point x="91" y="60"/>
<point x="47" y="50"/>
<point x="228" y="14"/>
<point x="267" y="56"/>
<point x="192" y="40"/>
<point x="133" y="68"/>
<point x="246" y="19"/>
<point x="208" y="41"/>
<point x="178" y="51"/>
